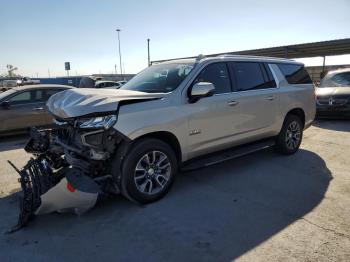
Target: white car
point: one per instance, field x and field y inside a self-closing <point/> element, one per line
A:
<point x="107" y="84"/>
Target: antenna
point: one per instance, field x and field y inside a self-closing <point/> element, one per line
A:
<point x="199" y="57"/>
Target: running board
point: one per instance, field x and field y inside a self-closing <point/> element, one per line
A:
<point x="221" y="156"/>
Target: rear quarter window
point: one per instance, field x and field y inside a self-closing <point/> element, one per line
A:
<point x="51" y="92"/>
<point x="295" y="74"/>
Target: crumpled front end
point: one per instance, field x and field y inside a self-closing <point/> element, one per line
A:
<point x="70" y="170"/>
<point x="74" y="163"/>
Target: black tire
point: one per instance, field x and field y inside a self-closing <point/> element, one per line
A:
<point x="287" y="142"/>
<point x="136" y="158"/>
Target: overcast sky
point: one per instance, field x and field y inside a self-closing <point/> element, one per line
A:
<point x="40" y="35"/>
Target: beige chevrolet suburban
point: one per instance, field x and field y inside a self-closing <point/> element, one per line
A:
<point x="175" y="115"/>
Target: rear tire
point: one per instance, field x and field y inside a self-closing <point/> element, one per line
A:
<point x="149" y="170"/>
<point x="289" y="139"/>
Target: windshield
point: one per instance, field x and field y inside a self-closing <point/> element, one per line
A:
<point x="336" y="80"/>
<point x="6" y="93"/>
<point x="162" y="78"/>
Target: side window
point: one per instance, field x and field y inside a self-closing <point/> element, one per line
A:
<point x="249" y="75"/>
<point x="216" y="74"/>
<point x="38" y="95"/>
<point x="295" y="74"/>
<point x="21" y="98"/>
<point x="50" y="92"/>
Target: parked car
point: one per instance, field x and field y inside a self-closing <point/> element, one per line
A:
<point x="173" y="115"/>
<point x="107" y="84"/>
<point x="123" y="82"/>
<point x="27" y="81"/>
<point x="24" y="107"/>
<point x="7" y="84"/>
<point x="333" y="95"/>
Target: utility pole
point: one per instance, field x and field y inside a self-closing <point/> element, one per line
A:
<point x="149" y="58"/>
<point x="115" y="68"/>
<point x="323" y="67"/>
<point x="120" y="54"/>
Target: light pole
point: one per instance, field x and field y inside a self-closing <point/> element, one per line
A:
<point x="120" y="55"/>
<point x="149" y="58"/>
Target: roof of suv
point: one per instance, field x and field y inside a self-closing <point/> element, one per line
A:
<point x="42" y="86"/>
<point x="201" y="58"/>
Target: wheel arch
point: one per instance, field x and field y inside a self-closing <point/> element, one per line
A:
<point x="166" y="137"/>
<point x="299" y="112"/>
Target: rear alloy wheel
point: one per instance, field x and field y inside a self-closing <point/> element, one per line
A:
<point x="289" y="139"/>
<point x="149" y="170"/>
<point x="293" y="135"/>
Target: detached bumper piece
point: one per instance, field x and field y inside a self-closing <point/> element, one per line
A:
<point x="45" y="191"/>
<point x="36" y="179"/>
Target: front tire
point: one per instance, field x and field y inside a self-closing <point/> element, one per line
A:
<point x="149" y="170"/>
<point x="289" y="139"/>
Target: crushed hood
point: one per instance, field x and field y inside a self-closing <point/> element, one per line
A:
<point x="332" y="91"/>
<point x="79" y="102"/>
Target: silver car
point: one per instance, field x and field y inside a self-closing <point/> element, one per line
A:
<point x="333" y="95"/>
<point x="174" y="115"/>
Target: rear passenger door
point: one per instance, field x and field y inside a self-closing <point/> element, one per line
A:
<point x="257" y="101"/>
<point x="47" y="116"/>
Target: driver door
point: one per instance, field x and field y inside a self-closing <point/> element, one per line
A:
<point x="24" y="111"/>
<point x="210" y="118"/>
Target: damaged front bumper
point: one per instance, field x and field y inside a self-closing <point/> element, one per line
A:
<point x="44" y="191"/>
<point x="68" y="173"/>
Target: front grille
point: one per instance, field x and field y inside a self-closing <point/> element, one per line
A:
<point x="333" y="100"/>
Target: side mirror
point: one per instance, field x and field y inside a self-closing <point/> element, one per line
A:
<point x="200" y="90"/>
<point x="6" y="104"/>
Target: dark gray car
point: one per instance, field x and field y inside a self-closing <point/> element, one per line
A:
<point x="24" y="107"/>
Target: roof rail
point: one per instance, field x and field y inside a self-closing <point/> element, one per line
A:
<point x="252" y="56"/>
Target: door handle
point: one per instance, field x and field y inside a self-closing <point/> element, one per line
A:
<point x="232" y="103"/>
<point x="270" y="98"/>
<point x="38" y="108"/>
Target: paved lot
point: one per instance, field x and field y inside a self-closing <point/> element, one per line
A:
<point x="261" y="207"/>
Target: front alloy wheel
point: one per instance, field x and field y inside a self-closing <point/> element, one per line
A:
<point x="152" y="172"/>
<point x="148" y="170"/>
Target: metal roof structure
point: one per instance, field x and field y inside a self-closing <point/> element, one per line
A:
<point x="323" y="49"/>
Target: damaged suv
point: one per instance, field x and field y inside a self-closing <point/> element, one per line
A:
<point x="134" y="140"/>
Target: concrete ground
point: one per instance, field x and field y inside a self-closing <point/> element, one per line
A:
<point x="261" y="207"/>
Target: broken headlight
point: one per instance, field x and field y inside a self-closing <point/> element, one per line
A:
<point x="98" y="122"/>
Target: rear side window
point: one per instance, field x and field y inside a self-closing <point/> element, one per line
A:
<point x="38" y="95"/>
<point x="216" y="74"/>
<point x="251" y="76"/>
<point x="295" y="74"/>
<point x="50" y="92"/>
